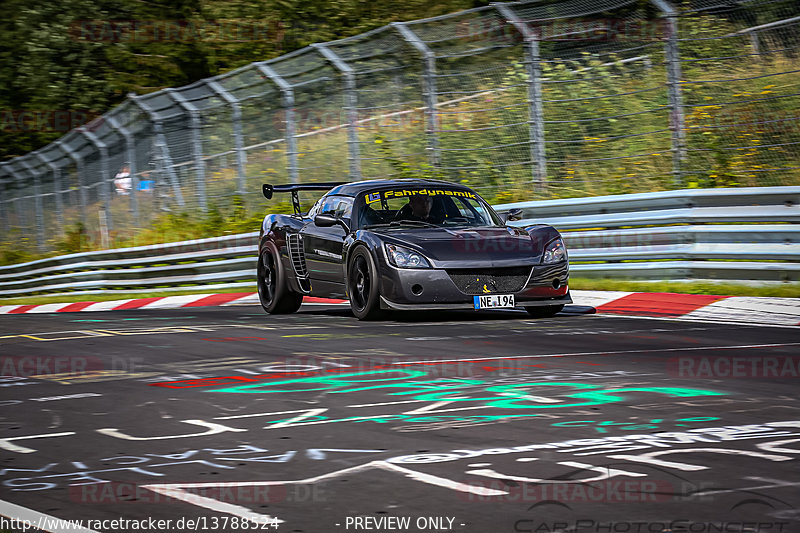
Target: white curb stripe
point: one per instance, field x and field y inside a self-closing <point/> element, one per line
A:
<point x="174" y="302"/>
<point x="105" y="306"/>
<point x="751" y="309"/>
<point x="250" y="299"/>
<point x="596" y="298"/>
<point x="48" y="308"/>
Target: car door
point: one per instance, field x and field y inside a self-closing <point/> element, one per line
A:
<point x="323" y="246"/>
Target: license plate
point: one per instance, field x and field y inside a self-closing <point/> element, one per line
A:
<point x="494" y="301"/>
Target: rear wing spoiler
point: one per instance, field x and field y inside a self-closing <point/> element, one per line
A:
<point x="294" y="188"/>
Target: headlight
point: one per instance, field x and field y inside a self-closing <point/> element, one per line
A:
<point x="554" y="252"/>
<point x="404" y="258"/>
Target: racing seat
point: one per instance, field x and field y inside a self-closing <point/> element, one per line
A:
<point x="369" y="216"/>
<point x="437" y="215"/>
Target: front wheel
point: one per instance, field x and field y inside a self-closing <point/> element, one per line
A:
<point x="362" y="285"/>
<point x="274" y="295"/>
<point x="544" y="311"/>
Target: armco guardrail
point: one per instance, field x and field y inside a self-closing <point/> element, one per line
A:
<point x="218" y="262"/>
<point x="727" y="234"/>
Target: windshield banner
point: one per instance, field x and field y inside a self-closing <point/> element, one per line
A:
<point x="406" y="193"/>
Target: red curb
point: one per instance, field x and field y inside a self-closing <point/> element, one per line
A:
<point x="22" y="309"/>
<point x="78" y="306"/>
<point x="313" y="300"/>
<point x="217" y="299"/>
<point x="658" y="304"/>
<point x="136" y="304"/>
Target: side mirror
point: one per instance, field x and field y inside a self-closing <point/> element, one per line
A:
<point x="514" y="214"/>
<point x="328" y="221"/>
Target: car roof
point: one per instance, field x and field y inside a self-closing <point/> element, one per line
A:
<point x="357" y="187"/>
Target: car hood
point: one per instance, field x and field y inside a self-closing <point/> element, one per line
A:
<point x="479" y="246"/>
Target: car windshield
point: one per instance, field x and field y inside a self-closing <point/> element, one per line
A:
<point x="422" y="207"/>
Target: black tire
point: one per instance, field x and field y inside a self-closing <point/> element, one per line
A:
<point x="362" y="285"/>
<point x="544" y="311"/>
<point x="273" y="293"/>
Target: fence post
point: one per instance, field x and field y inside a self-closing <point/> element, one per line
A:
<point x="677" y="121"/>
<point x="535" y="107"/>
<point x="351" y="102"/>
<point x="754" y="42"/>
<point x="241" y="157"/>
<point x="197" y="145"/>
<point x="57" y="189"/>
<point x="429" y="75"/>
<point x="160" y="145"/>
<point x="105" y="215"/>
<point x="37" y="203"/>
<point x="5" y="202"/>
<point x="20" y="209"/>
<point x="4" y="199"/>
<point x="72" y="154"/>
<point x="130" y="148"/>
<point x="288" y="104"/>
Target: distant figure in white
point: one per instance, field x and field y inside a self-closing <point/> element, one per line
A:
<point x="123" y="181"/>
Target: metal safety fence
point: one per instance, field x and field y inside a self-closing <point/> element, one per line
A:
<point x="519" y="100"/>
<point x="749" y="234"/>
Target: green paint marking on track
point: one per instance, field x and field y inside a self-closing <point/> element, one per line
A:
<point x="514" y="396"/>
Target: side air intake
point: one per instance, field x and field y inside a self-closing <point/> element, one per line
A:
<point x="297" y="255"/>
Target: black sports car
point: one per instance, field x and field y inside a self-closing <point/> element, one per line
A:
<point x="407" y="244"/>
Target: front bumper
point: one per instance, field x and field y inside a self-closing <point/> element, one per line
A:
<point x="386" y="304"/>
<point x="435" y="288"/>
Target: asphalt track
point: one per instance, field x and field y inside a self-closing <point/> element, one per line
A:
<point x="459" y="421"/>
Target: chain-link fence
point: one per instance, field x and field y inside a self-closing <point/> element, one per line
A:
<point x="520" y="100"/>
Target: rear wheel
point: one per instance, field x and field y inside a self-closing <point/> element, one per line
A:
<point x="362" y="285"/>
<point x="273" y="293"/>
<point x="544" y="311"/>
